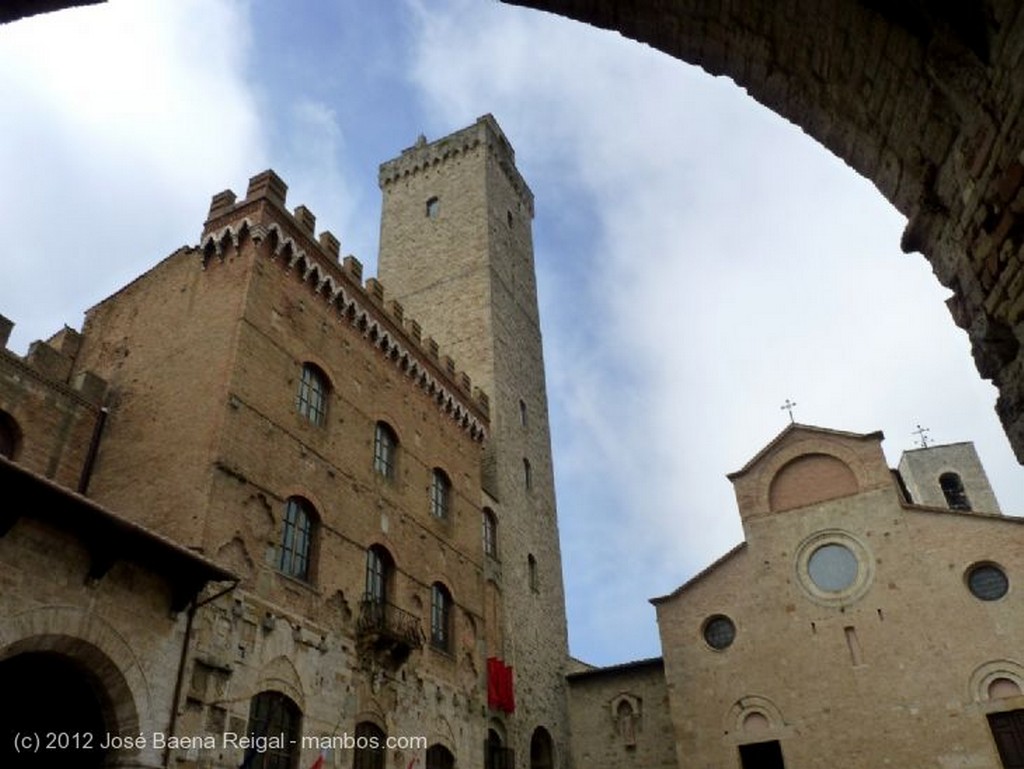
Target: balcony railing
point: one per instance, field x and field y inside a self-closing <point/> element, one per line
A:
<point x="384" y="627"/>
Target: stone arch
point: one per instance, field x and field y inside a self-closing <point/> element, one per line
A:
<point x="443" y="734"/>
<point x="740" y="716"/>
<point x="280" y="675"/>
<point x="94" y="644"/>
<point x="810" y="478"/>
<point x="926" y="117"/>
<point x="987" y="675"/>
<point x="815" y="446"/>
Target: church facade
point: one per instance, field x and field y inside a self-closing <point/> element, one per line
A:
<point x="870" y="617"/>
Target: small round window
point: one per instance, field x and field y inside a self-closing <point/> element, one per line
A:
<point x="987" y="582"/>
<point x="719" y="632"/>
<point x="833" y="567"/>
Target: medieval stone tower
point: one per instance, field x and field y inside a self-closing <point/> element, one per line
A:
<point x="456" y="250"/>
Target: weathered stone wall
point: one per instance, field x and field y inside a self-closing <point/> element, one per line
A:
<point x="467" y="273"/>
<point x="619" y="717"/>
<point x="921" y="97"/>
<point x="205" y="442"/>
<point x="897" y="666"/>
<point x="117" y="629"/>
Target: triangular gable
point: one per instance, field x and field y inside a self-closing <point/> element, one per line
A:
<point x="805" y="465"/>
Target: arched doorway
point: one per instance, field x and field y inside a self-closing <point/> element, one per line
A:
<point x="59" y="709"/>
<point x="541" y="749"/>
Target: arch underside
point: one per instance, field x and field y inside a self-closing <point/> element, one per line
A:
<point x="922" y="97"/>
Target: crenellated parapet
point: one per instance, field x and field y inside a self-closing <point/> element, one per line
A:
<point x="485" y="132"/>
<point x="289" y="240"/>
<point x="51" y="364"/>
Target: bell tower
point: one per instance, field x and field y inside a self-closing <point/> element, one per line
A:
<point x="456" y="250"/>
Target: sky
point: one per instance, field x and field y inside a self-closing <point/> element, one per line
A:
<point x="700" y="260"/>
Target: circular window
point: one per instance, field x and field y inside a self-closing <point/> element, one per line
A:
<point x="719" y="632"/>
<point x="833" y="567"/>
<point x="987" y="582"/>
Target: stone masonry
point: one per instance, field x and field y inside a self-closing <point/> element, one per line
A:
<point x="456" y="250"/>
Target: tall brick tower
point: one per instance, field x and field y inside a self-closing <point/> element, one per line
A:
<point x="456" y="249"/>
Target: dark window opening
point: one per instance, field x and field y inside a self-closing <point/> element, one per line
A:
<point x="490" y="526"/>
<point x="762" y="755"/>
<point x="954" y="492"/>
<point x="1008" y="733"/>
<point x="440" y="617"/>
<point x="369" y="752"/>
<point x="385" y="449"/>
<point x="440" y="494"/>
<point x="379" y="567"/>
<point x="439" y="757"/>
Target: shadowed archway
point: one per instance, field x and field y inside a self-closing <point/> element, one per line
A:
<point x="62" y="714"/>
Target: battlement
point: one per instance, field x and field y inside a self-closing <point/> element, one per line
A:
<point x="484" y="132"/>
<point x="290" y="240"/>
<point x="51" y="363"/>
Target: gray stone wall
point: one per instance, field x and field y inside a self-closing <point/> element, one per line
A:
<point x="467" y="274"/>
<point x="619" y="717"/>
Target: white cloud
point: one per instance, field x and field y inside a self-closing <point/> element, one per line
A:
<point x="127" y="116"/>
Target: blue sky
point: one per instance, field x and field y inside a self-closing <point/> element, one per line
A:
<point x="700" y="260"/>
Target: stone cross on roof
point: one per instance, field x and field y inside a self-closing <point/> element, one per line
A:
<point x="789" y="406"/>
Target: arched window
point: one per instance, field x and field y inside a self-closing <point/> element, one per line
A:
<point x="490" y="525"/>
<point x="296" y="548"/>
<point x="440" y="494"/>
<point x="379" y="568"/>
<point x="531" y="573"/>
<point x="496" y="755"/>
<point x="271" y="714"/>
<point x="439" y="757"/>
<point x="10" y="435"/>
<point x="311" y="399"/>
<point x="369" y="751"/>
<point x="385" y="448"/>
<point x="541" y="749"/>
<point x="440" y="617"/>
<point x="433" y="208"/>
<point x="953" y="491"/>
